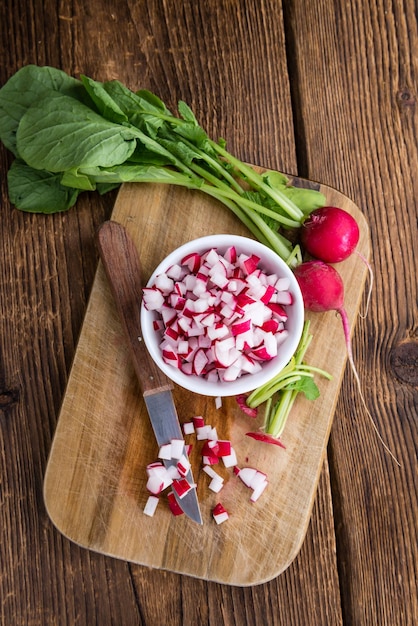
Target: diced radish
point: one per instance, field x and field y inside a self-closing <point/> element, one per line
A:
<point x="188" y="428"/>
<point x="232" y="372"/>
<point x="281" y="336"/>
<point x="183" y="465"/>
<point x="182" y="487"/>
<point x="231" y="255"/>
<point x="158" y="325"/>
<point x="151" y="505"/>
<point x="173" y="472"/>
<point x="177" y="448"/>
<point x="209" y="471"/>
<point x="192" y="261"/>
<point x="254" y="479"/>
<point x="220" y="514"/>
<point x="175" y="272"/>
<point x="284" y="297"/>
<point x="278" y="310"/>
<point x="183" y="347"/>
<point x="230" y="460"/>
<point x="153" y="298"/>
<point x="216" y="484"/>
<point x="257" y="491"/>
<point x="270" y="326"/>
<point x="165" y="451"/>
<point x="225" y="303"/>
<point x="198" y="421"/>
<point x="168" y="314"/>
<point x="200" y="361"/>
<point x="202" y="432"/>
<point x="269" y="291"/>
<point x="282" y="284"/>
<point x="241" y="327"/>
<point x="246" y="474"/>
<point x="224" y="447"/>
<point x="210" y="448"/>
<point x="154" y="467"/>
<point x="164" y="283"/>
<point x="155" y="485"/>
<point x="187" y="368"/>
<point x="173" y="504"/>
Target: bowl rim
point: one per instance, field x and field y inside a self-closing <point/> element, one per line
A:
<point x="247" y="382"/>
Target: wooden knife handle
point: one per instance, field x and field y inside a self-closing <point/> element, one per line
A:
<point x="121" y="263"/>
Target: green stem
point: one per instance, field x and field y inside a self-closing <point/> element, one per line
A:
<point x="277" y="421"/>
<point x="250" y="174"/>
<point x="227" y="192"/>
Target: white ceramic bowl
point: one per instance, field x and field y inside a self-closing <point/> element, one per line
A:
<point x="270" y="263"/>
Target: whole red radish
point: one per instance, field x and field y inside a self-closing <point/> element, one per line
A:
<point x="321" y="286"/>
<point x="323" y="290"/>
<point x="330" y="234"/>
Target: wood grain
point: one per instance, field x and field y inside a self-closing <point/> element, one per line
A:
<point x="95" y="480"/>
<point x="371" y="116"/>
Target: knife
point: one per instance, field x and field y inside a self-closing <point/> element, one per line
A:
<point x="121" y="263"/>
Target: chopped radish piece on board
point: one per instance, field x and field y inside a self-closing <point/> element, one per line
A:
<point x="247" y="474"/>
<point x="188" y="428"/>
<point x="230" y="460"/>
<point x="258" y="490"/>
<point x="198" y="421"/>
<point x="202" y="432"/>
<point x="220" y="514"/>
<point x="151" y="505"/>
<point x="210" y="472"/>
<point x="216" y="484"/>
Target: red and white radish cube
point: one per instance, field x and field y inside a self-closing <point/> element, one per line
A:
<point x="258" y="490"/>
<point x="182" y="487"/>
<point x="173" y="504"/>
<point x="230" y="460"/>
<point x="247" y="474"/>
<point x="220" y="514"/>
<point x="216" y="484"/>
<point x="183" y="465"/>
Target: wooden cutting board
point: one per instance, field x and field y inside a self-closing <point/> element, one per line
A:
<point x="95" y="480"/>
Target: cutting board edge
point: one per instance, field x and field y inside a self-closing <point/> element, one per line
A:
<point x="302" y="537"/>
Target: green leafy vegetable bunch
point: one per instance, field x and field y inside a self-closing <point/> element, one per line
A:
<point x="70" y="136"/>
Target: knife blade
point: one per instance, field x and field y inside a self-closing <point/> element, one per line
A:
<point x="122" y="267"/>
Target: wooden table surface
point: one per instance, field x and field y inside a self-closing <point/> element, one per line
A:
<point x="326" y="90"/>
